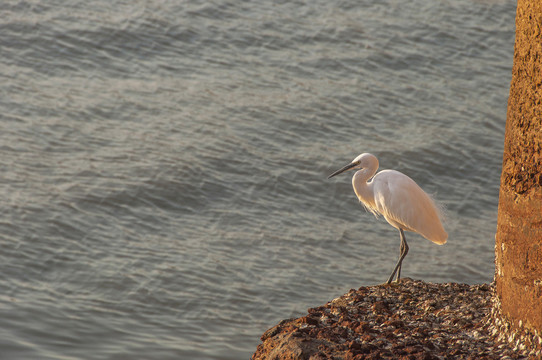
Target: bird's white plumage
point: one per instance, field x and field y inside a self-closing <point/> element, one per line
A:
<point x="405" y="205"/>
<point x="398" y="199"/>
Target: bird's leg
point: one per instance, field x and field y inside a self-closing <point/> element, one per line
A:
<point x="401" y="249"/>
<point x="404" y="252"/>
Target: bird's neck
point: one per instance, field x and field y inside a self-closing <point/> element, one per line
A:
<point x="364" y="190"/>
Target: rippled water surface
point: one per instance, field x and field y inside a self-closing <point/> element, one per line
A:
<point x="163" y="163"/>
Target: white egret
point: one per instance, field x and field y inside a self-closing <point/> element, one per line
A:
<point x="404" y="205"/>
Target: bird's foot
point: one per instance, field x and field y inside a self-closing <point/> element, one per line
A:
<point x="396" y="281"/>
<point x="389" y="283"/>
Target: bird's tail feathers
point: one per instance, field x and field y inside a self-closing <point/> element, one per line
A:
<point x="442" y="212"/>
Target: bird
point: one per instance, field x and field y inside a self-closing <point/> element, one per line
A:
<point x="397" y="198"/>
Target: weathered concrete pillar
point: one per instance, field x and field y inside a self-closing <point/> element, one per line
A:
<point x="518" y="248"/>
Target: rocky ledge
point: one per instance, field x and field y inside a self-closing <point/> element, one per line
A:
<point x="409" y="320"/>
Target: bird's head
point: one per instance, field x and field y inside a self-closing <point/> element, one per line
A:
<point x="362" y="161"/>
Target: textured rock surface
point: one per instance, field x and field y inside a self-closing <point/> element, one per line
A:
<point x="518" y="250"/>
<point x="409" y="320"/>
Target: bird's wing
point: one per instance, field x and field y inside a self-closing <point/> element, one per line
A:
<point x="405" y="205"/>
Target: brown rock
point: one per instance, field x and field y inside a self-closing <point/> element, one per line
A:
<point x="368" y="328"/>
<point x="380" y="307"/>
<point x="518" y="250"/>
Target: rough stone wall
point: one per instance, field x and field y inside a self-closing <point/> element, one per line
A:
<point x="518" y="248"/>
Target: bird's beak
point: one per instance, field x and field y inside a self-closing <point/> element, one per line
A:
<point x="343" y="169"/>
